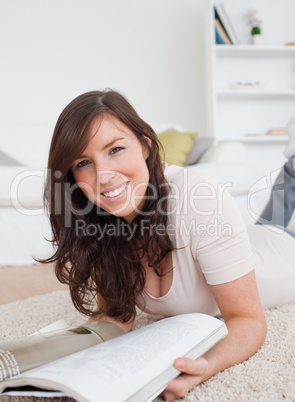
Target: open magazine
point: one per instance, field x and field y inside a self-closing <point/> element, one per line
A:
<point x="49" y="345"/>
<point x="135" y="366"/>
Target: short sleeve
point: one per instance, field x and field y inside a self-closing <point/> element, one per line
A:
<point x="225" y="254"/>
<point x="209" y="220"/>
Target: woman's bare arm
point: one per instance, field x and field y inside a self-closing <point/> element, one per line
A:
<point x="241" y="309"/>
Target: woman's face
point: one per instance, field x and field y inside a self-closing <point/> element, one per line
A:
<point x="112" y="172"/>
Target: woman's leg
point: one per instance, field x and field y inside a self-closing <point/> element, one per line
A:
<point x="289" y="231"/>
<point x="281" y="205"/>
<point x="290" y="148"/>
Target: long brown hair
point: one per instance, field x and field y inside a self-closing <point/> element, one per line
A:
<point x="107" y="267"/>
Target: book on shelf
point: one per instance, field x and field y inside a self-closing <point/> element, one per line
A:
<point x="98" y="361"/>
<point x="221" y="36"/>
<point x="218" y="38"/>
<point x="221" y="15"/>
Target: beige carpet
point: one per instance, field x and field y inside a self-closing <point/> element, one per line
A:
<point x="267" y="376"/>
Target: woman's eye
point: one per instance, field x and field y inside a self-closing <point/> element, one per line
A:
<point x="82" y="164"/>
<point x="115" y="150"/>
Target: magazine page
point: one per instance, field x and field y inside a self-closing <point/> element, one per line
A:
<point x="120" y="368"/>
<point x="55" y="326"/>
<point x="27" y="353"/>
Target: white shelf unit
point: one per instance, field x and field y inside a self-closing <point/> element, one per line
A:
<point x="260" y="139"/>
<point x="254" y="51"/>
<point x="236" y="114"/>
<point x="248" y="93"/>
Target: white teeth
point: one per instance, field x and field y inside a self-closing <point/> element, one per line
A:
<point x="116" y="192"/>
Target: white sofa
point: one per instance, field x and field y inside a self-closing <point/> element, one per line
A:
<point x="23" y="222"/>
<point x="227" y="162"/>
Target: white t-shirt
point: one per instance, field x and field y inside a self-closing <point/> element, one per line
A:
<point x="213" y="244"/>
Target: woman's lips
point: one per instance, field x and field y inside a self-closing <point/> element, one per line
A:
<point x="115" y="197"/>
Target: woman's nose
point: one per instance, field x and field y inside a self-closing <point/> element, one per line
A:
<point x="104" y="172"/>
<point x="105" y="176"/>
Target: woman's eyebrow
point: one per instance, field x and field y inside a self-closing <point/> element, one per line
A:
<point x="105" y="146"/>
<point x="112" y="142"/>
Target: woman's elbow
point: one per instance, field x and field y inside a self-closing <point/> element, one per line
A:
<point x="261" y="329"/>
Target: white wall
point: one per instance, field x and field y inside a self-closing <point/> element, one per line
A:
<point x="150" y="50"/>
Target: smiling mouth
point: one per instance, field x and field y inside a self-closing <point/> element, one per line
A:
<point x="115" y="193"/>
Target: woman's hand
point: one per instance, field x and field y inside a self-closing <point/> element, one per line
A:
<point x="240" y="307"/>
<point x="193" y="372"/>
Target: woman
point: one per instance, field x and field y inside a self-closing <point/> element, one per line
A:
<point x="129" y="231"/>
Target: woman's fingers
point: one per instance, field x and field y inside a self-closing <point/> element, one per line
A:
<point x="193" y="372"/>
<point x="189" y="366"/>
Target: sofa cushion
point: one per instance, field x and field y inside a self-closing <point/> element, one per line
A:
<point x="176" y="145"/>
<point x="200" y="145"/>
<point x="238" y="179"/>
<point x="225" y="152"/>
<point x="27" y="145"/>
<point x="6" y="160"/>
<point x="21" y="187"/>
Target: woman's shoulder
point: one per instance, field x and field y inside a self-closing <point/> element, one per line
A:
<point x="193" y="194"/>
